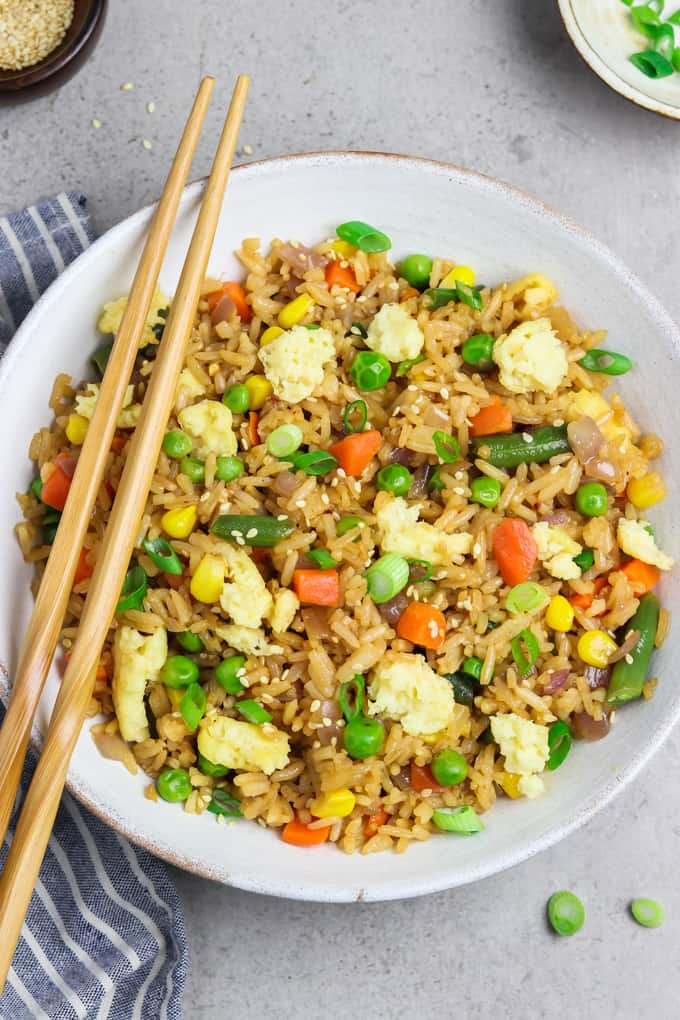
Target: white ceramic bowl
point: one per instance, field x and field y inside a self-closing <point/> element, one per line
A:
<point x="423" y="206"/>
<point x="602" y="32"/>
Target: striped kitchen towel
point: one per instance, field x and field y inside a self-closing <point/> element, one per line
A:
<point x="104" y="936"/>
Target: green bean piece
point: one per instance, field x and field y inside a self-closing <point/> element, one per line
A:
<point x="253" y="529"/>
<point x="629" y="674"/>
<point x="162" y="555"/>
<point x="533" y="446"/>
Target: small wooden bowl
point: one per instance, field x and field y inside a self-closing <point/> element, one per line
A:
<point x="64" y="60"/>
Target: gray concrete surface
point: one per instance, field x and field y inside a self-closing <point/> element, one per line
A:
<point x="495" y="86"/>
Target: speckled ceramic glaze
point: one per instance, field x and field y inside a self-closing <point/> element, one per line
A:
<point x="604" y="35"/>
<point x="423" y="206"/>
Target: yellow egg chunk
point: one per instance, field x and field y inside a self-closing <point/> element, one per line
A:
<point x="636" y="541"/>
<point x="210" y="425"/>
<point x="556" y="550"/>
<point x="242" y="745"/>
<point x="403" y="686"/>
<point x="395" y="334"/>
<point x="523" y="744"/>
<point x="401" y="532"/>
<point x="294" y="362"/>
<point x="137" y="661"/>
<point x="531" y="358"/>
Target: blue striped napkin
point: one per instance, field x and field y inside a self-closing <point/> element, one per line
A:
<point x="104" y="936"/>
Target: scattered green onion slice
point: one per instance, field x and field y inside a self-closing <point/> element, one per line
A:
<point x="663" y="38"/>
<point x="419" y="571"/>
<point x="363" y="236"/>
<point x="162" y="555"/>
<point x="648" y="913"/>
<point x="100" y="358"/>
<point x="675" y="59"/>
<point x="133" y="591"/>
<point x="357" y="329"/>
<point x="644" y="18"/>
<point x="351" y="697"/>
<point x="356" y="408"/>
<point x="315" y="462"/>
<point x="322" y="558"/>
<point x="193" y="705"/>
<point x="472" y="666"/>
<point x="469" y="296"/>
<point x="525" y="639"/>
<point x="437" y="297"/>
<point x="585" y="559"/>
<point x="404" y="367"/>
<point x="313" y="325"/>
<point x="347" y="523"/>
<point x="447" y="447"/>
<point x="435" y="483"/>
<point x="284" y="440"/>
<point x="210" y="768"/>
<point x="525" y="596"/>
<point x="36" y="487"/>
<point x="674" y="19"/>
<point x="253" y="712"/>
<point x="565" y="912"/>
<point x="607" y="362"/>
<point x="463" y="820"/>
<point x="387" y="577"/>
<point x="223" y="803"/>
<point x="559" y="743"/>
<point x="652" y="64"/>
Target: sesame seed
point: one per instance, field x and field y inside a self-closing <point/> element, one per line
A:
<point x="334" y="741"/>
<point x="326" y="721"/>
<point x="240" y="540"/>
<point x="629" y="659"/>
<point x="476" y="549"/>
<point x="459" y="491"/>
<point x="342" y="473"/>
<point x="300" y="503"/>
<point x="527" y="437"/>
<point x="316" y="745"/>
<point x="412" y="389"/>
<point x="315" y="705"/>
<point x="445" y="393"/>
<point x="458" y="475"/>
<point x="248" y="149"/>
<point x="150" y="107"/>
<point x="281" y="517"/>
<point x="96" y="123"/>
<point x="325" y="498"/>
<point x="241" y="672"/>
<point x="251" y="533"/>
<point x="127" y="86"/>
<point x="334" y="482"/>
<point x="147" y="144"/>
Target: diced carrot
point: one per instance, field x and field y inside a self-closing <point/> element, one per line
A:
<point x="374" y="821"/>
<point x="56" y="488"/>
<point x="317" y="587"/>
<point x="515" y="550"/>
<point x="84" y="568"/>
<point x="640" y="573"/>
<point x="354" y="453"/>
<point x="298" y="834"/>
<point x="237" y="294"/>
<point x="492" y="419"/>
<point x="584" y="600"/>
<point x="253" y="422"/>
<point x="409" y="292"/>
<point x="339" y="275"/>
<point x="422" y="624"/>
<point x="118" y="442"/>
<point x="422" y="779"/>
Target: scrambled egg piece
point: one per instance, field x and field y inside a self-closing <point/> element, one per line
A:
<point x="137" y="661"/>
<point x="532" y="295"/>
<point x="250" y="640"/>
<point x="556" y="550"/>
<point x="210" y="425"/>
<point x="523" y="744"/>
<point x="295" y="360"/>
<point x="636" y="541"/>
<point x="591" y="404"/>
<point x="531" y="786"/>
<point x="401" y="532"/>
<point x="404" y="687"/>
<point x="129" y="413"/>
<point x="286" y="605"/>
<point x="109" y="320"/>
<point x="245" y="597"/>
<point x="395" y="333"/>
<point x="242" y="745"/>
<point x="188" y="388"/>
<point x="531" y="358"/>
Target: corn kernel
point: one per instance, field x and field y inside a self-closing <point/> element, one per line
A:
<point x="343" y="248"/>
<point x="646" y="491"/>
<point x="337" y="804"/>
<point x="179" y="523"/>
<point x="595" y="648"/>
<point x="76" y="429"/>
<point x="560" y="614"/>
<point x="175" y="694"/>
<point x="270" y="334"/>
<point x="295" y="311"/>
<point x="510" y="785"/>
<point x="208" y="579"/>
<point x="459" y="274"/>
<point x="259" y="389"/>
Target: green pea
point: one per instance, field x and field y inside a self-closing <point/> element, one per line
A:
<point x="395" y="478"/>
<point x="565" y="912"/>
<point x="477" y="351"/>
<point x="237" y="399"/>
<point x="485" y="491"/>
<point x="370" y="371"/>
<point x="174" y="785"/>
<point x="189" y="641"/>
<point x="416" y="270"/>
<point x="648" y="913"/>
<point x="179" y="671"/>
<point x="176" y="444"/>
<point x="209" y="768"/>
<point x="585" y="559"/>
<point x="473" y="667"/>
<point x="449" y="767"/>
<point x="363" y="737"/>
<point x="227" y="674"/>
<point x="228" y="468"/>
<point x="193" y="468"/>
<point x="591" y="499"/>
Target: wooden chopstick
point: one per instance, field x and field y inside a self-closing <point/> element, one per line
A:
<point x="42" y="799"/>
<point x="50" y="605"/>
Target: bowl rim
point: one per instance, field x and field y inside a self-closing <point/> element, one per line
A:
<point x="593" y="802"/>
<point x="602" y="69"/>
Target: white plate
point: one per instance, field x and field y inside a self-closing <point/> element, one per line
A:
<point x="423" y="206"/>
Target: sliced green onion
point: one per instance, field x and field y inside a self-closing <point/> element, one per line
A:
<point x="675" y="59"/>
<point x="435" y="483"/>
<point x="210" y="768"/>
<point x="585" y="559"/>
<point x="322" y="558"/>
<point x="315" y="462"/>
<point x="674" y="19"/>
<point x="525" y="639"/>
<point x="387" y="577"/>
<point x="404" y="367"/>
<point x="559" y="744"/>
<point x="525" y="596"/>
<point x="437" y="297"/>
<point x="223" y="803"/>
<point x="463" y="686"/>
<point x="348" y="523"/>
<point x="663" y="38"/>
<point x="356" y="408"/>
<point x="36" y="487"/>
<point x="469" y="296"/>
<point x="253" y="712"/>
<point x="162" y="555"/>
<point x="472" y="666"/>
<point x="284" y="440"/>
<point x="133" y="591"/>
<point x="313" y="325"/>
<point x="652" y="64"/>
<point x="419" y="571"/>
<point x="363" y="236"/>
<point x="193" y="705"/>
<point x="356" y="329"/>
<point x="565" y="912"/>
<point x="463" y="820"/>
<point x="447" y="447"/>
<point x="352" y="689"/>
<point x="648" y="913"/>
<point x="100" y="358"/>
<point x="644" y="18"/>
<point x="607" y="362"/>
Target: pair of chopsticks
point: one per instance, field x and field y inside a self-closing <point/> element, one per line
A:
<point x="42" y="799"/>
